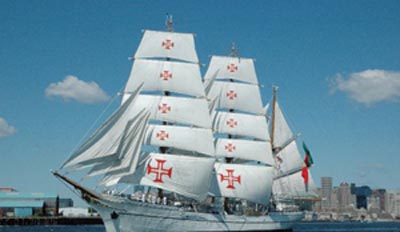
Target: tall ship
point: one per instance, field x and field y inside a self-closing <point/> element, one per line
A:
<point x="186" y="153"/>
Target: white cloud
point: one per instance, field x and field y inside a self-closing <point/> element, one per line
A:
<point x="370" y="86"/>
<point x="71" y="88"/>
<point x="6" y="129"/>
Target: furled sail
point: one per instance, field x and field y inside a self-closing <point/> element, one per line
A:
<point x="249" y="182"/>
<point x="106" y="140"/>
<point x="236" y="68"/>
<point x="159" y="44"/>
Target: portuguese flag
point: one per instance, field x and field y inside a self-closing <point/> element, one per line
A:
<point x="308" y="162"/>
<point x="307" y="159"/>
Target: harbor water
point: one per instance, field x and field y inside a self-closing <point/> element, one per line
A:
<point x="303" y="227"/>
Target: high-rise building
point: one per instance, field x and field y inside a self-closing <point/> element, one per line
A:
<point x="326" y="190"/>
<point x="362" y="194"/>
<point x="344" y="196"/>
<point x="393" y="202"/>
<point x="380" y="194"/>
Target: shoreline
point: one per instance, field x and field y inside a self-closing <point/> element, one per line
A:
<point x="32" y="221"/>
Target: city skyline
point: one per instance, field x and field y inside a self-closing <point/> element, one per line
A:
<point x="336" y="65"/>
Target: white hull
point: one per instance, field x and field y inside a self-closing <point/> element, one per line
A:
<point x="138" y="216"/>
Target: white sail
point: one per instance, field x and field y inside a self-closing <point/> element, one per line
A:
<point x="244" y="149"/>
<point x="105" y="141"/>
<point x="157" y="75"/>
<point x="238" y="96"/>
<point x="190" y="111"/>
<point x="159" y="44"/>
<point x="236" y="68"/>
<point x="128" y="152"/>
<point x="188" y="176"/>
<point x="293" y="186"/>
<point x="289" y="159"/>
<point x="241" y="124"/>
<point x="282" y="132"/>
<point x="187" y="138"/>
<point x="249" y="182"/>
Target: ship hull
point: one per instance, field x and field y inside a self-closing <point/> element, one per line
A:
<point x="124" y="215"/>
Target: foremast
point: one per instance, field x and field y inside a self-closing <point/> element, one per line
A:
<point x="164" y="109"/>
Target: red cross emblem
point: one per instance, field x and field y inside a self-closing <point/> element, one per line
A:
<point x="159" y="171"/>
<point x="230" y="178"/>
<point x="232" y="68"/>
<point x="279" y="159"/>
<point x="167" y="44"/>
<point x="231" y="94"/>
<point x="164" y="108"/>
<point x="162" y="135"/>
<point x="165" y="75"/>
<point x="229" y="147"/>
<point x="231" y="123"/>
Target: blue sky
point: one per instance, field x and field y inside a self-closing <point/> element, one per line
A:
<point x="337" y="64"/>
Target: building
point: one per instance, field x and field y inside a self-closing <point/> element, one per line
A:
<point x="326" y="191"/>
<point x="393" y="202"/>
<point x="380" y="196"/>
<point x="344" y="196"/>
<point x="362" y="194"/>
<point x="20" y="204"/>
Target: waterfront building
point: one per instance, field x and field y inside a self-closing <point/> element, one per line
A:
<point x="393" y="202"/>
<point x="334" y="199"/>
<point x="344" y="196"/>
<point x="380" y="195"/>
<point x="362" y="194"/>
<point x="326" y="192"/>
<point x="21" y="204"/>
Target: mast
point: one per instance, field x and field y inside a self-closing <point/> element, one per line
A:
<point x="163" y="149"/>
<point x="274" y="90"/>
<point x="169" y="23"/>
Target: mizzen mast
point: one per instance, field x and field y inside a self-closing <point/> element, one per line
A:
<point x="275" y="90"/>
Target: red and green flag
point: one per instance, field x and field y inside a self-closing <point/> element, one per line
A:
<point x="308" y="161"/>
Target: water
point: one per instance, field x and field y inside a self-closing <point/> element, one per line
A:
<point x="303" y="227"/>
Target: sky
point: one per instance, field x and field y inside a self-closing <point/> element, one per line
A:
<point x="337" y="65"/>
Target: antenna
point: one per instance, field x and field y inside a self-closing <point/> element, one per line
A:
<point x="169" y="23"/>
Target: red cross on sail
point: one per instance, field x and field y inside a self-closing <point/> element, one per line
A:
<point x="164" y="108"/>
<point x="159" y="171"/>
<point x="230" y="178"/>
<point x="232" y="123"/>
<point x="229" y="147"/>
<point x="167" y="44"/>
<point x="162" y="135"/>
<point x="231" y="94"/>
<point x="165" y="75"/>
<point x="279" y="159"/>
<point x="232" y="68"/>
